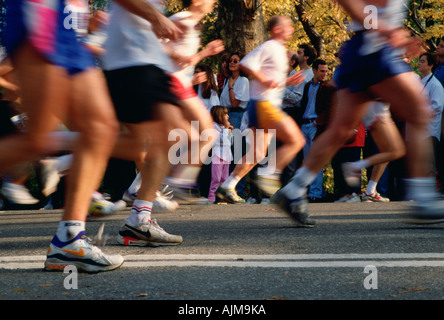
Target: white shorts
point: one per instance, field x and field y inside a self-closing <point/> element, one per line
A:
<point x="377" y="111"/>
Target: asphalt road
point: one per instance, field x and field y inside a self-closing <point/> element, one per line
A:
<point x="357" y="251"/>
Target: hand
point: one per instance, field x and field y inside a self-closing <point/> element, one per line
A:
<point x="165" y="28"/>
<point x="295" y="79"/>
<point x="215" y="47"/>
<point x="199" y="78"/>
<point x="271" y="84"/>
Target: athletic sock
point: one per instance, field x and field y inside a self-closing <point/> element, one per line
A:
<point x="421" y="189"/>
<point x="69" y="229"/>
<point x="135" y="185"/>
<point x="297" y="187"/>
<point x="140" y="212"/>
<point x="371" y="187"/>
<point x="231" y="182"/>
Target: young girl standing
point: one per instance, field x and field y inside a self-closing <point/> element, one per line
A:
<point x="222" y="155"/>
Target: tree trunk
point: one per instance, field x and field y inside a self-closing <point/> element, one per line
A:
<point x="315" y="37"/>
<point x="240" y="23"/>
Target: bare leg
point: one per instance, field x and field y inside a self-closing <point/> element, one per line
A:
<point x="403" y="94"/>
<point x="92" y="116"/>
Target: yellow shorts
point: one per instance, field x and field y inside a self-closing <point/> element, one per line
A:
<point x="263" y="113"/>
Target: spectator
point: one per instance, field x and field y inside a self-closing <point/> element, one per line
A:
<point x="313" y="116"/>
<point x="222" y="155"/>
<point x="208" y="89"/>
<point x="435" y="92"/>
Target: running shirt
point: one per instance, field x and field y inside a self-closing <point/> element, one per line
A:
<point x="392" y="15"/>
<point x="131" y="41"/>
<point x="52" y="27"/>
<point x="187" y="45"/>
<point x="270" y="58"/>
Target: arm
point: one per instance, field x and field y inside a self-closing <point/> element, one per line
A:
<point x="259" y="76"/>
<point x="162" y="26"/>
<point x="212" y="48"/>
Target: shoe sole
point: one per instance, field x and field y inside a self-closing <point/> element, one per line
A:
<point x="413" y="220"/>
<point x="282" y="204"/>
<point x="55" y="264"/>
<point x="185" y="198"/>
<point x="128" y="241"/>
<point x="222" y="197"/>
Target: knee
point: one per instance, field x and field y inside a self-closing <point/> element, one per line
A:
<point x="105" y="130"/>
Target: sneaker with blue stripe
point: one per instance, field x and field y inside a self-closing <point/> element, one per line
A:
<point x="81" y="254"/>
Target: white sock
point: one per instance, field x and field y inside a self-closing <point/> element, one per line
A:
<point x="276" y="175"/>
<point x="297" y="187"/>
<point x="361" y="164"/>
<point x="421" y="189"/>
<point x="135" y="186"/>
<point x="69" y="229"/>
<point x="140" y="212"/>
<point x="371" y="187"/>
<point x="64" y="163"/>
<point x="231" y="182"/>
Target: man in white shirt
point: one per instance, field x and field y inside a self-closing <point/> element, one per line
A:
<point x="435" y="93"/>
<point x="267" y="66"/>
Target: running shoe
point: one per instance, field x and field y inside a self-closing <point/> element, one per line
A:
<point x="351" y="175"/>
<point x="374" y="197"/>
<point x="17" y="194"/>
<point x="80" y="253"/>
<point x="426" y="212"/>
<point x="350" y="198"/>
<point x="146" y="235"/>
<point x="267" y="185"/>
<point x="100" y="208"/>
<point x="228" y="195"/>
<point x="297" y="208"/>
<point x="164" y="202"/>
<point x="185" y="192"/>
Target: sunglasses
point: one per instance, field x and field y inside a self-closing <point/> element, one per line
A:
<point x="234" y="61"/>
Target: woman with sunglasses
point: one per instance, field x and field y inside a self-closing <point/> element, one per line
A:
<point x="236" y="92"/>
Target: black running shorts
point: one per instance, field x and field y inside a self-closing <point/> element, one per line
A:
<point x="135" y="92"/>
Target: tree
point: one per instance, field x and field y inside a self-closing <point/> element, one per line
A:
<point x="426" y="20"/>
<point x="241" y="24"/>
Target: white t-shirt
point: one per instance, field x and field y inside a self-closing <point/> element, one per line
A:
<point x="271" y="59"/>
<point x="131" y="41"/>
<point x="187" y="45"/>
<point x="241" y="89"/>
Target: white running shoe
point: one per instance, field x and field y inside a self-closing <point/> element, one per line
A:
<point x="80" y="253"/>
<point x="164" y="202"/>
<point x="350" y="198"/>
<point x="146" y="235"/>
<point x="18" y="194"/>
<point x="104" y="207"/>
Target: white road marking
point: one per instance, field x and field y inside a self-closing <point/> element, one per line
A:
<point x="400" y="260"/>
